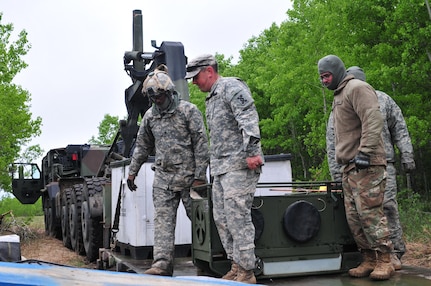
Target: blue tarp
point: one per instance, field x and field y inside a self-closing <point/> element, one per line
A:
<point x="40" y="273"/>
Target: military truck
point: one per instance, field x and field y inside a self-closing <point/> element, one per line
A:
<point x="73" y="179"/>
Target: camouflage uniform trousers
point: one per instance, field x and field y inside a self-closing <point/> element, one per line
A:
<point x="390" y="207"/>
<point x="363" y="201"/>
<point x="166" y="203"/>
<point x="232" y="196"/>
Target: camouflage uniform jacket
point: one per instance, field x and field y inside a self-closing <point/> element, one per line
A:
<point x="358" y="123"/>
<point x="394" y="133"/>
<point x="179" y="140"/>
<point x="233" y="124"/>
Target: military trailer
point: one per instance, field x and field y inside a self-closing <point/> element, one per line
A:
<point x="300" y="227"/>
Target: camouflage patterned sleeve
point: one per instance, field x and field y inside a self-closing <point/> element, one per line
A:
<point x="144" y="145"/>
<point x="334" y="167"/>
<point x="244" y="110"/>
<point x="200" y="143"/>
<point x="398" y="130"/>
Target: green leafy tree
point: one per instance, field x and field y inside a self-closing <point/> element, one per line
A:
<point x="389" y="39"/>
<point x="31" y="153"/>
<point x="108" y="129"/>
<point x="17" y="126"/>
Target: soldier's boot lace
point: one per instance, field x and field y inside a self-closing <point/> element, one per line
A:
<point x="367" y="266"/>
<point x="384" y="268"/>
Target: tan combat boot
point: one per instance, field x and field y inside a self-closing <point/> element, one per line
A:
<point x="367" y="266"/>
<point x="232" y="272"/>
<point x="245" y="276"/>
<point x="396" y="262"/>
<point x="384" y="268"/>
<point x="158" y="271"/>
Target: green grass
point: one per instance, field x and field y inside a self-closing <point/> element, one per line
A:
<point x="415" y="217"/>
<point x="20" y="210"/>
<point x="37" y="222"/>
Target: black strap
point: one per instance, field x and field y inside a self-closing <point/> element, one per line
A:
<point x="117" y="211"/>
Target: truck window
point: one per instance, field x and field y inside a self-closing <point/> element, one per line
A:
<point x="25" y="171"/>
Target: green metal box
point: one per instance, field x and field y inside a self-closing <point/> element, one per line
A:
<point x="304" y="231"/>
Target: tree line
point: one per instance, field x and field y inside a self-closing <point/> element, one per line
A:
<point x="390" y="40"/>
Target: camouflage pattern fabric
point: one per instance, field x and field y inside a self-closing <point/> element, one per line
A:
<point x="334" y="167"/>
<point x="363" y="197"/>
<point x="232" y="195"/>
<point x="178" y="138"/>
<point x="165" y="205"/>
<point x="394" y="133"/>
<point x="233" y="125"/>
<point x="390" y="208"/>
<point x="179" y="141"/>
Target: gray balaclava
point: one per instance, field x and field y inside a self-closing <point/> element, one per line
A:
<point x="357" y="72"/>
<point x="335" y="66"/>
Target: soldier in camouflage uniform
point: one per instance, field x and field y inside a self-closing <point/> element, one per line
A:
<point x="394" y="133"/>
<point x="175" y="131"/>
<point x="359" y="149"/>
<point x="235" y="160"/>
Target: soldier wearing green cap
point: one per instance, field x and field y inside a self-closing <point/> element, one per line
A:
<point x="235" y="159"/>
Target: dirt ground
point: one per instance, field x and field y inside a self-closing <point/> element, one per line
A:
<point x="49" y="249"/>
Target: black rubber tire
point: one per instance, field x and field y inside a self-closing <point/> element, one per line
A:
<point x="49" y="217"/>
<point x="75" y="219"/>
<point x="92" y="228"/>
<point x="64" y="216"/>
<point x="45" y="214"/>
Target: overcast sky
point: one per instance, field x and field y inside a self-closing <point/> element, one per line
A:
<point x="75" y="72"/>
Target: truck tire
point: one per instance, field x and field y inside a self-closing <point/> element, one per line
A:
<point x="51" y="226"/>
<point x="92" y="228"/>
<point x="65" y="230"/>
<point x="75" y="219"/>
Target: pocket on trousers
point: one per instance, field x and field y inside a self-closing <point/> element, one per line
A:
<point x="373" y="187"/>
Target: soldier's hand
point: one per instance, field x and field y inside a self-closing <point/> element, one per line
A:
<point x="198" y="183"/>
<point x="131" y="183"/>
<point x="362" y="161"/>
<point x="254" y="162"/>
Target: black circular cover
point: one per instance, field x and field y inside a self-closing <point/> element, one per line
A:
<point x="301" y="221"/>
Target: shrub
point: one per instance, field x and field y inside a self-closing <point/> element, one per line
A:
<point x="414" y="216"/>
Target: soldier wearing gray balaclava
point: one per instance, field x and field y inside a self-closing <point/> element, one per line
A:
<point x="359" y="149"/>
<point x="335" y="66"/>
<point x="395" y="133"/>
<point x="357" y="72"/>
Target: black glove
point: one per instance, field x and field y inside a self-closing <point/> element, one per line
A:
<point x="131" y="184"/>
<point x="362" y="161"/>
